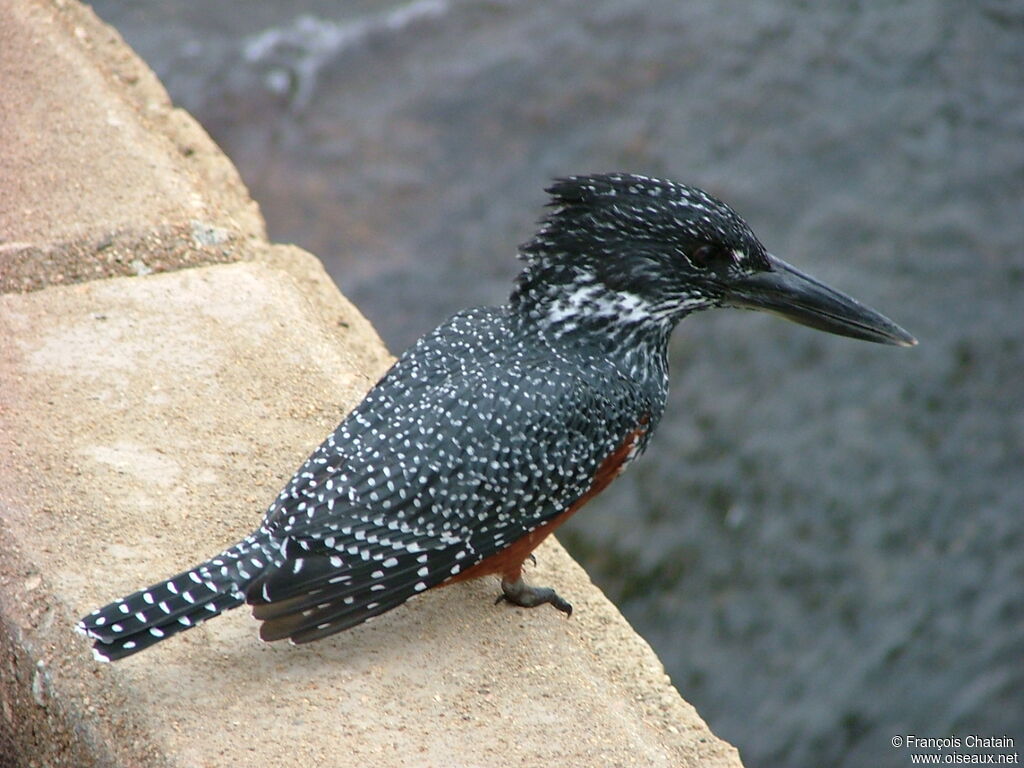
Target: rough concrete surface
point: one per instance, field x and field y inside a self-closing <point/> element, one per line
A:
<point x="101" y="174"/>
<point x="144" y="424"/>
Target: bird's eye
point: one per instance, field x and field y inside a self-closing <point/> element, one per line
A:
<point x="710" y="257"/>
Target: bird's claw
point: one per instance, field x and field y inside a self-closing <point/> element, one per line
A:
<point x="520" y="593"/>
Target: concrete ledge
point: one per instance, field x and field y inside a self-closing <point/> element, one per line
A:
<point x="145" y="422"/>
<point x="101" y="175"/>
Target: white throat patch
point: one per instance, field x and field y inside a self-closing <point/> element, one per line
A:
<point x="590" y="299"/>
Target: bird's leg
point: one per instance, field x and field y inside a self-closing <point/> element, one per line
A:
<point x="518" y="592"/>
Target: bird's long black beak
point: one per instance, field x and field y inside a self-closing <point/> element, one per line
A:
<point x="789" y="292"/>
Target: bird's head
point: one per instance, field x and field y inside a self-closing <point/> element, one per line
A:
<point x="632" y="249"/>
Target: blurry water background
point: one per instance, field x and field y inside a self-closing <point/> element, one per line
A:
<point x="825" y="543"/>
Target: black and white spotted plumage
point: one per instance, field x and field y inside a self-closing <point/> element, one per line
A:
<point x="490" y="427"/>
<point x="475" y="437"/>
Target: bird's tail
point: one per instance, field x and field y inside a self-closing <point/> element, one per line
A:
<point x="153" y="614"/>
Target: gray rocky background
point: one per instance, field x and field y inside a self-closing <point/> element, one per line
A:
<point x="825" y="543"/>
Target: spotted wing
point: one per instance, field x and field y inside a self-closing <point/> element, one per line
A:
<point x="419" y="485"/>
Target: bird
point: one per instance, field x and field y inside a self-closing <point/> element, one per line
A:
<point x="494" y="428"/>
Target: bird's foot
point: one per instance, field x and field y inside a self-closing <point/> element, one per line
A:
<point x="520" y="593"/>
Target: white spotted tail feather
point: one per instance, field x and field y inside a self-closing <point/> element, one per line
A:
<point x="150" y="615"/>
